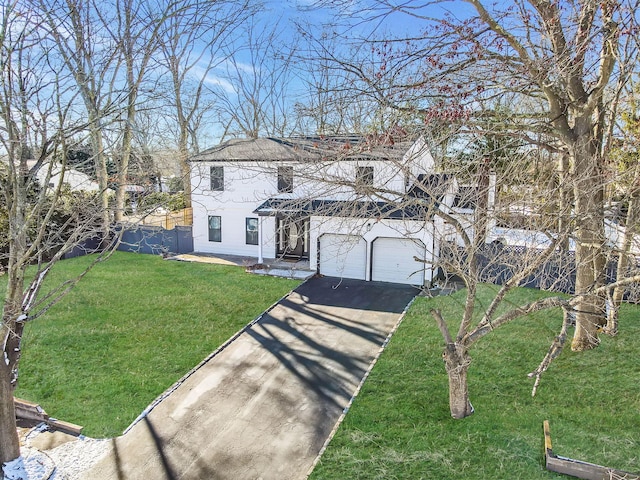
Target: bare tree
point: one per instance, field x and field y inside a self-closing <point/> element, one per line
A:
<point x="478" y="239"/>
<point x="38" y="121"/>
<point x="328" y="106"/>
<point x="626" y="189"/>
<point x="82" y="41"/>
<point x="139" y="32"/>
<point x="560" y="66"/>
<point x="190" y="54"/>
<point x="574" y="91"/>
<point x="256" y="83"/>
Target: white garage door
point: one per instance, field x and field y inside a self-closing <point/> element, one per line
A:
<point x="343" y="256"/>
<point x="393" y="260"/>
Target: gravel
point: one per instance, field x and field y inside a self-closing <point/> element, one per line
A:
<point x="65" y="462"/>
<point x="72" y="459"/>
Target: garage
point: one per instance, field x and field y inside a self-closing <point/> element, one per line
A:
<point x="393" y="260"/>
<point x="343" y="256"/>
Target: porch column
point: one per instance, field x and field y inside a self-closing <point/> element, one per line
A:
<point x="368" y="255"/>
<point x="260" y="218"/>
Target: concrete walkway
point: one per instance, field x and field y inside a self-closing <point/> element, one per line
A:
<point x="263" y="407"/>
<point x="276" y="267"/>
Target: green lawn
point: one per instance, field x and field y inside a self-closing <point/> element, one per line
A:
<point x="137" y="323"/>
<point x="129" y="330"/>
<point x="399" y="426"/>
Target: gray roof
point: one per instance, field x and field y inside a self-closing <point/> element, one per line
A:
<point x="303" y="149"/>
<point x="403" y="210"/>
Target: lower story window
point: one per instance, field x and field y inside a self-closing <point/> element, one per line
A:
<point x="215" y="228"/>
<point x="251" y="232"/>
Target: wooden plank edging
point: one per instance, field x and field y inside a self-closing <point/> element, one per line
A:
<point x="578" y="468"/>
<point x="32" y="411"/>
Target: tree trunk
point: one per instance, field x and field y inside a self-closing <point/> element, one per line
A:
<point x="100" y="164"/>
<point x="589" y="236"/>
<point x="11" y="336"/>
<point x="481" y="220"/>
<point x="11" y="331"/>
<point x="185" y="167"/>
<point x="623" y="261"/>
<point x="564" y="201"/>
<point x="9" y="442"/>
<point x="123" y="169"/>
<point x="456" y="361"/>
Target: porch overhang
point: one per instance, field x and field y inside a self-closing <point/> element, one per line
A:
<point x="280" y="207"/>
<point x="413" y="209"/>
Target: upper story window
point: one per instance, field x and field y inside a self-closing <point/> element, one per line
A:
<point x="216" y="174"/>
<point x="364" y="176"/>
<point x="285" y="179"/>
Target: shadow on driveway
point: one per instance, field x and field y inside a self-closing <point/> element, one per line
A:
<point x="264" y="406"/>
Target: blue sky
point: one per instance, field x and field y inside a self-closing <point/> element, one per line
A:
<point x="350" y="20"/>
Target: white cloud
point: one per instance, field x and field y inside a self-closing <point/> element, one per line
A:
<point x="210" y="78"/>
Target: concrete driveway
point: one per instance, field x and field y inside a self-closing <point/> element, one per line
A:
<point x="263" y="407"/>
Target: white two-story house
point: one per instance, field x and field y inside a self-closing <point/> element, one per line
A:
<point x="354" y="207"/>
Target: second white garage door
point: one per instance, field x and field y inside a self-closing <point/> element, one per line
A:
<point x="393" y="260"/>
<point x="343" y="256"/>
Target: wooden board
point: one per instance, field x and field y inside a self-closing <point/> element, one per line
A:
<point x="32" y="411"/>
<point x="577" y="468"/>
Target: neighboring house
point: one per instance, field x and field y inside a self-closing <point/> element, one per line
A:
<point x="74" y="179"/>
<point x="354" y="207"/>
<point x="519" y="237"/>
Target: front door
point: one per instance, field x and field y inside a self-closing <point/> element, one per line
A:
<point x="293" y="238"/>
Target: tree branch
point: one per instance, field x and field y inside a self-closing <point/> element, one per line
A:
<point x="554" y="351"/>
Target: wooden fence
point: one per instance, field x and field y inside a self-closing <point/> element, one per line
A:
<point x="168" y="220"/>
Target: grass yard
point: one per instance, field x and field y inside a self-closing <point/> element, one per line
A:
<point x="399" y="426"/>
<point x="132" y="327"/>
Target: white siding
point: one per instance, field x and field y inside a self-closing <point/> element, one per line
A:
<point x="246" y="186"/>
<point x="335" y="180"/>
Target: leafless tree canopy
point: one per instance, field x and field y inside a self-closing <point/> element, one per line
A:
<point x="74" y="77"/>
<point x="529" y="92"/>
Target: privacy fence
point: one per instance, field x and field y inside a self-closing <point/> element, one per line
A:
<point x="143" y="239"/>
<point x="498" y="263"/>
<point x="157" y="240"/>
